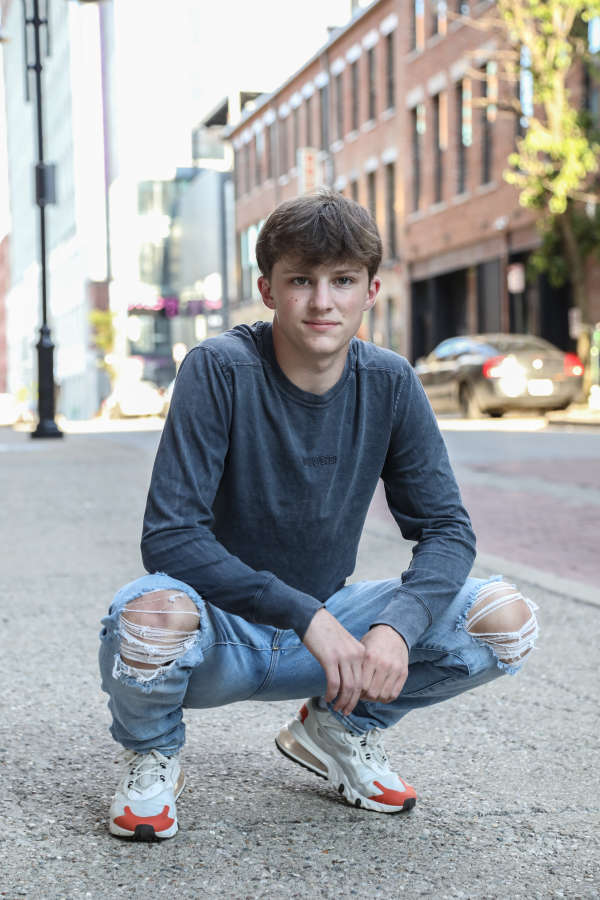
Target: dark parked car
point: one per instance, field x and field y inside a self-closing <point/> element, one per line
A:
<point x="492" y="373"/>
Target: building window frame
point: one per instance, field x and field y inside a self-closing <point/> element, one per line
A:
<point x="308" y="122"/>
<point x="259" y="149"/>
<point x="390" y="70"/>
<point x="296" y="134"/>
<point x="354" y="77"/>
<point x="418" y="130"/>
<point x="488" y="117"/>
<point x="283" y="146"/>
<point x="339" y="105"/>
<point x="417" y="25"/>
<point x="372" y="193"/>
<point x="372" y="84"/>
<point x="464" y="131"/>
<point x="390" y="210"/>
<point x="440" y="139"/>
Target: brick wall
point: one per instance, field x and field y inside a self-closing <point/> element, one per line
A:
<point x="463" y="227"/>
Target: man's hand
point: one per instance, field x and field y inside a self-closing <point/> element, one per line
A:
<point x="384" y="665"/>
<point x="341" y="656"/>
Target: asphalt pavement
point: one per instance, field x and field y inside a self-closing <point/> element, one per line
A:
<point x="507" y="775"/>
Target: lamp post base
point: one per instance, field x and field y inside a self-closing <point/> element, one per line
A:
<point x="46" y="427"/>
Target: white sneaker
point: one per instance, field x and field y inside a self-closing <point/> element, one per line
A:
<point x="355" y="763"/>
<point x="143" y="807"/>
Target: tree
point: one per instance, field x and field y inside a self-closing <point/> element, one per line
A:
<point x="103" y="330"/>
<point x="556" y="164"/>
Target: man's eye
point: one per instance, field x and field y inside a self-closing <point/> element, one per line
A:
<point x="300" y="280"/>
<point x="345" y="280"/>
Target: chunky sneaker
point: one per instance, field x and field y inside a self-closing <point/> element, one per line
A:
<point x="355" y="763"/>
<point x="143" y="807"/>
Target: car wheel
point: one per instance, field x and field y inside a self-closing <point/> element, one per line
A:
<point x="468" y="404"/>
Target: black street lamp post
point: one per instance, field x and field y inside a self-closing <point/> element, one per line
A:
<point x="45" y="194"/>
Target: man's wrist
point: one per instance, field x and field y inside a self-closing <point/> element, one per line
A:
<point x="390" y="628"/>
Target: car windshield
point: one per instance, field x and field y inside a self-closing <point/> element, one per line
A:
<point x="519" y="343"/>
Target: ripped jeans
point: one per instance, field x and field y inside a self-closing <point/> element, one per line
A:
<point x="221" y="658"/>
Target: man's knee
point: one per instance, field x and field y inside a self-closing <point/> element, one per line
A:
<point x="157" y="627"/>
<point x="505" y="620"/>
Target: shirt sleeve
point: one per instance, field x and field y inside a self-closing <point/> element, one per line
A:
<point x="177" y="536"/>
<point x="425" y="500"/>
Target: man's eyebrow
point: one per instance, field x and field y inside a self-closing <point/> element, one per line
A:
<point x="297" y="270"/>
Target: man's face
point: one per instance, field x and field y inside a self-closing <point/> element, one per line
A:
<point x="317" y="310"/>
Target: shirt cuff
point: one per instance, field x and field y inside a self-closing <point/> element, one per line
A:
<point x="406" y="614"/>
<point x="285" y="607"/>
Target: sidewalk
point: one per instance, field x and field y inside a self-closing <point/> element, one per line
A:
<point x="507" y="776"/>
<point x="576" y="414"/>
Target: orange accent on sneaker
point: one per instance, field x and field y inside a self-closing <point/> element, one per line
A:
<point x="394" y="798"/>
<point x="129" y="820"/>
<point x="303" y="713"/>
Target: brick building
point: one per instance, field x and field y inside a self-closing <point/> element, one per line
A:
<point x="386" y="112"/>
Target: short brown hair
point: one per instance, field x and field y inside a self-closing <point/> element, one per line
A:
<point x="319" y="228"/>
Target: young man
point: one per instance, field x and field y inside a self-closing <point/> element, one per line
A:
<point x="275" y="441"/>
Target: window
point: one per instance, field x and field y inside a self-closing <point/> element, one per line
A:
<point x="283" y="146"/>
<point x="488" y="117"/>
<point x="236" y="172"/>
<point x="372" y="195"/>
<point x="464" y="133"/>
<point x="439" y="19"/>
<point x="308" y="119"/>
<point x="372" y="82"/>
<point x="259" y="149"/>
<point x="390" y="80"/>
<point x="417" y="24"/>
<point x="440" y="137"/>
<point x="525" y="88"/>
<point x="324" y="116"/>
<point x="339" y="106"/>
<point x="355" y="95"/>
<point x="296" y="137"/>
<point x="418" y="131"/>
<point x="271" y="145"/>
<point x="390" y="209"/>
<point x="247" y="179"/>
<point x="354" y="190"/>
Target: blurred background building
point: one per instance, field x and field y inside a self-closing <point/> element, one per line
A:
<point x="161" y="194"/>
<point x="385" y="113"/>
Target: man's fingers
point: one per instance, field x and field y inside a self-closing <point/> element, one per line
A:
<point x="346" y="688"/>
<point x="333" y="683"/>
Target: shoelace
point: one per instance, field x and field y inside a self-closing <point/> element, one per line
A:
<point x="372" y="747"/>
<point x="145" y="769"/>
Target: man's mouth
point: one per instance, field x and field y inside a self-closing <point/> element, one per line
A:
<point x="320" y="324"/>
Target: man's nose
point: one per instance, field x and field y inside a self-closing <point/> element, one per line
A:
<point x="321" y="295"/>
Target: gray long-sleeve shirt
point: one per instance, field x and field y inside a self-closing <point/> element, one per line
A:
<point x="260" y="490"/>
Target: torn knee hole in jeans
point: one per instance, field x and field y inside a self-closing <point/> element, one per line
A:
<point x="501" y="604"/>
<point x="148" y="649"/>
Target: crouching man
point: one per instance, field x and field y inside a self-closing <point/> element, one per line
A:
<point x="275" y="441"/>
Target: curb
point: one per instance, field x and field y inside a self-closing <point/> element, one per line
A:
<point x="487" y="564"/>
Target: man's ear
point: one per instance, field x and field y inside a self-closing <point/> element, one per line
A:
<point x="264" y="287"/>
<point x="373" y="291"/>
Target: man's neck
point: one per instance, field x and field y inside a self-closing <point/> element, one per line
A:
<point x="316" y="375"/>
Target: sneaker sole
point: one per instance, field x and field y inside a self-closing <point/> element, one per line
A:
<point x="290" y="747"/>
<point x="145" y="833"/>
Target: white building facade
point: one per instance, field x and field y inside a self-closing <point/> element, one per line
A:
<point x="76" y="224"/>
